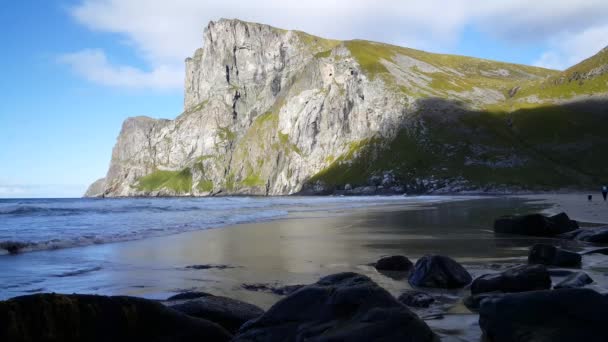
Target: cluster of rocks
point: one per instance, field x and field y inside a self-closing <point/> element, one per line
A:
<point x="516" y="304"/>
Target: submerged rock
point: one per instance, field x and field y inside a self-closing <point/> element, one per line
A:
<point x="280" y="290"/>
<point x="552" y="256"/>
<point x="227" y="312"/>
<point x="594" y="235"/>
<point x="535" y="225"/>
<point x="394" y="263"/>
<point x="578" y="279"/>
<point x="339" y="307"/>
<point x="545" y="316"/>
<point x="416" y="299"/>
<point x="516" y="279"/>
<point x="439" y="271"/>
<point x="54" y="317"/>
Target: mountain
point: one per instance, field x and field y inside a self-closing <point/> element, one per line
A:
<point x="271" y="112"/>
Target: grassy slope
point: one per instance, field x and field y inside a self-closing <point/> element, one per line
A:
<point x="545" y="146"/>
<point x="178" y="181"/>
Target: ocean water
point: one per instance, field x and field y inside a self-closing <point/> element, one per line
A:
<point x="47" y="224"/>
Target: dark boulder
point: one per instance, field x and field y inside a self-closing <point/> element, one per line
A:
<point x="416" y="299"/>
<point x="339" y="307"/>
<point x="578" y="279"/>
<point x="440" y="272"/>
<point x="552" y="256"/>
<point x="281" y="290"/>
<point x="394" y="263"/>
<point x="473" y="302"/>
<point x="545" y="316"/>
<point x="535" y="225"/>
<point x="54" y="317"/>
<point x="188" y="295"/>
<point x="227" y="312"/>
<point x="597" y="235"/>
<point x="516" y="279"/>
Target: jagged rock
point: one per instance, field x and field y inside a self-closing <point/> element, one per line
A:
<point x="516" y="279"/>
<point x="552" y="256"/>
<point x="578" y="279"/>
<point x="439" y="271"/>
<point x="394" y="263"/>
<point x="545" y="316"/>
<point x="417" y="299"/>
<point x="54" y="317"/>
<point x="227" y="312"/>
<point x="597" y="235"/>
<point x="535" y="225"/>
<point x="339" y="307"/>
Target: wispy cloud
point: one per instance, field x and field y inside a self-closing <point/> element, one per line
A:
<point x="163" y="32"/>
<point x="94" y="66"/>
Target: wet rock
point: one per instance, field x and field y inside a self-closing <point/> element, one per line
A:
<point x="209" y="266"/>
<point x="54" y="317"/>
<point x="545" y="316"/>
<point x="394" y="263"/>
<point x="227" y="312"/>
<point x="597" y="235"/>
<point x="188" y="295"/>
<point x="552" y="256"/>
<point x="578" y="279"/>
<point x="416" y="299"/>
<point x="439" y="271"/>
<point x="535" y="225"/>
<point x="13" y="247"/>
<point x="516" y="279"/>
<point x="473" y="302"/>
<point x="339" y="307"/>
<point x="281" y="290"/>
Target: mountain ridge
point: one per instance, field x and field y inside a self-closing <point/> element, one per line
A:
<point x="273" y="112"/>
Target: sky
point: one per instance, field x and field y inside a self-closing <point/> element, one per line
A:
<point x="73" y="70"/>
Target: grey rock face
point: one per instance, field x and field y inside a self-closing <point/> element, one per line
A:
<point x="96" y="189"/>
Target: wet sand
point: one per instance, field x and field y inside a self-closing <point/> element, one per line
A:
<point x="302" y="248"/>
<point x="575" y="205"/>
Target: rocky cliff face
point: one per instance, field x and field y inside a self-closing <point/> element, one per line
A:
<point x="271" y="112"/>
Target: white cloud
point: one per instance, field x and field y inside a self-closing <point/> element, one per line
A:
<point x="163" y="32"/>
<point x="93" y="65"/>
<point x="569" y="49"/>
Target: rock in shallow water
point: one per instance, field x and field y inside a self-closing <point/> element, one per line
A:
<point x="535" y="225"/>
<point x="227" y="312"/>
<point x="394" y="263"/>
<point x="545" y="316"/>
<point x="552" y="256"/>
<point x="416" y="299"/>
<point x="597" y="235"/>
<point x="54" y="317"/>
<point x="516" y="279"/>
<point x="578" y="279"/>
<point x="339" y="307"/>
<point x="439" y="271"/>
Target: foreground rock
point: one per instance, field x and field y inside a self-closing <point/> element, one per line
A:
<point x="53" y="317"/>
<point x="516" y="279"/>
<point x="552" y="256"/>
<point x="578" y="279"/>
<point x="440" y="272"/>
<point x="227" y="312"/>
<point x="594" y="235"/>
<point x="339" y="307"/>
<point x="394" y="263"/>
<point x="545" y="316"/>
<point x="281" y="290"/>
<point x="535" y="225"/>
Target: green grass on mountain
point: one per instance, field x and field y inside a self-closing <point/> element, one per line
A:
<point x="536" y="148"/>
<point x="178" y="181"/>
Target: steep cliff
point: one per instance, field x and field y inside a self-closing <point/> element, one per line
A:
<point x="270" y="112"/>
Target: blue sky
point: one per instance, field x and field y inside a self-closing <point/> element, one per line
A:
<point x="73" y="70"/>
